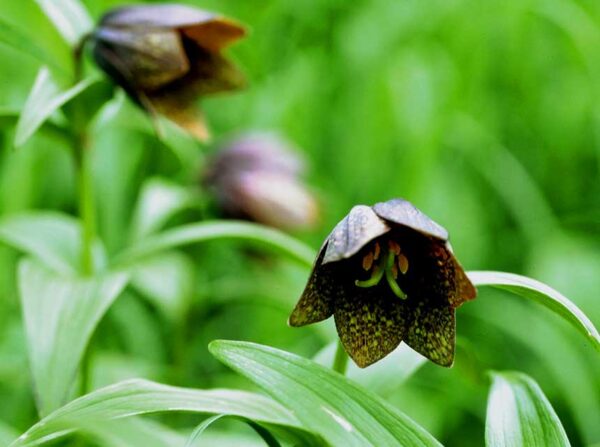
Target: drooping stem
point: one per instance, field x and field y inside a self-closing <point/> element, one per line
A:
<point x="340" y="361"/>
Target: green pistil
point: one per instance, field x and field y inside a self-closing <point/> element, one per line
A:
<point x="385" y="266"/>
<point x="376" y="276"/>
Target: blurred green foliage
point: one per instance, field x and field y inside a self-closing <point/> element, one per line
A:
<point x="486" y="115"/>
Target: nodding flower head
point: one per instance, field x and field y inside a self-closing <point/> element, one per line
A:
<point x="387" y="274"/>
<point x="258" y="177"/>
<point x="166" y="56"/>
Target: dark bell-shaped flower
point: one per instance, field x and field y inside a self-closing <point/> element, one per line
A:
<point x="166" y="56"/>
<point x="387" y="274"/>
<point x="257" y="177"/>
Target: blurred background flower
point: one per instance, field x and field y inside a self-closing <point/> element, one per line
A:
<point x="258" y="176"/>
<point x="166" y="56"/>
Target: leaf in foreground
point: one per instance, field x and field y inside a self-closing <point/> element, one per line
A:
<point x="543" y="294"/>
<point x="518" y="414"/>
<point x="45" y="98"/>
<point x="60" y="315"/>
<point x="342" y="412"/>
<point x="136" y="397"/>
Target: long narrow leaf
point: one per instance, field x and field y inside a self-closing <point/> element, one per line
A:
<point x="342" y="412"/>
<point x="136" y="397"/>
<point x="543" y="294"/>
<point x="45" y="98"/>
<point x="518" y="414"/>
<point x="60" y="315"/>
<point x="210" y="230"/>
<point x="70" y="18"/>
<point x="15" y="38"/>
<point x="52" y="238"/>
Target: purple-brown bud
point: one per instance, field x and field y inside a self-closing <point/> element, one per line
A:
<point x="258" y="177"/>
<point x="166" y="56"/>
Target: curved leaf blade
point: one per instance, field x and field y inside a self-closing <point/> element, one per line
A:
<point x="60" y="315"/>
<point x="519" y="414"/>
<point x="136" y="397"/>
<point x="342" y="412"/>
<point x="218" y="229"/>
<point x="542" y="294"/>
<point x="46" y="96"/>
<point x="70" y="18"/>
<point x="16" y="39"/>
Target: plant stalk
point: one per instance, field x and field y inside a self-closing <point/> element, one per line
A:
<point x="340" y="361"/>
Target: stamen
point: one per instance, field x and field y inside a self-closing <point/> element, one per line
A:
<point x="403" y="263"/>
<point x="367" y="262"/>
<point x="377" y="251"/>
<point x="373" y="280"/>
<point x="389" y="276"/>
<point x="394" y="247"/>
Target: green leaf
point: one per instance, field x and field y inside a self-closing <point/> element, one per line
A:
<point x="383" y="377"/>
<point x="518" y="414"/>
<point x="60" y="314"/>
<point x="7" y="434"/>
<point x="50" y="237"/>
<point x="15" y="38"/>
<point x="543" y="294"/>
<point x="167" y="280"/>
<point x="132" y="432"/>
<point x="220" y="229"/>
<point x="136" y="397"/>
<point x="45" y="98"/>
<point x="342" y="412"/>
<point x="267" y="437"/>
<point x="70" y="18"/>
<point x="159" y="200"/>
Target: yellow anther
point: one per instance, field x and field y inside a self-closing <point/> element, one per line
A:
<point x="367" y="262"/>
<point x="376" y="251"/>
<point x="403" y="263"/>
<point x="394" y="247"/>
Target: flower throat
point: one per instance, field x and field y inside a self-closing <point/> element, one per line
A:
<point x="387" y="261"/>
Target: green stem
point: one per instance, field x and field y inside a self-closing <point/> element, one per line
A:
<point x="340" y="361"/>
<point x="87" y="210"/>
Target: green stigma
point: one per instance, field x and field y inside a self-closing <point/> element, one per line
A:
<point x="388" y="265"/>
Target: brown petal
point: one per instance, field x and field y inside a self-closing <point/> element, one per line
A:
<point x="318" y="298"/>
<point x="185" y="115"/>
<point x="145" y="60"/>
<point x="370" y="324"/>
<point x="402" y="212"/>
<point x="215" y="34"/>
<point x="358" y="228"/>
<point x="432" y="331"/>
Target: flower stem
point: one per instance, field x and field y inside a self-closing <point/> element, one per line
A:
<point x="340" y="361"/>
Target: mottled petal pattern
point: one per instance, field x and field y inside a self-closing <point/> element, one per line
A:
<point x="317" y="301"/>
<point x="370" y="324"/>
<point x="432" y="332"/>
<point x="402" y="212"/>
<point x="358" y="228"/>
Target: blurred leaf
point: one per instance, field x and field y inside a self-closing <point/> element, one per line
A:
<point x="60" y="315"/>
<point x="7" y="434"/>
<point x="167" y="280"/>
<point x="132" y="432"/>
<point x="159" y="200"/>
<point x="217" y="229"/>
<point x="518" y="414"/>
<point x="135" y="397"/>
<point x="383" y="377"/>
<point x="15" y="38"/>
<point x="70" y="18"/>
<point x="343" y="413"/>
<point x="543" y="294"/>
<point x="45" y="98"/>
<point x="52" y="238"/>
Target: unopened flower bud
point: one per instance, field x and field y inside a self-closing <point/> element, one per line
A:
<point x="166" y="56"/>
